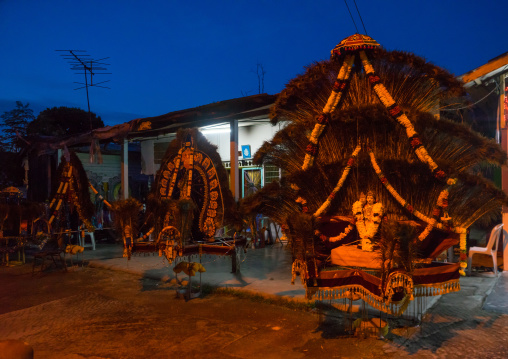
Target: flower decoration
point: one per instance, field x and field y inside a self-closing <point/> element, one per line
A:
<point x="332" y="102"/>
<point x="340" y="237"/>
<point x="345" y="173"/>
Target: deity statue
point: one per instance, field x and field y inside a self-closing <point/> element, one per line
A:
<point x="368" y="214"/>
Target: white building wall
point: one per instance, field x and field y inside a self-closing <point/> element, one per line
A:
<point x="221" y="140"/>
<point x="254" y="136"/>
<point x="109" y="168"/>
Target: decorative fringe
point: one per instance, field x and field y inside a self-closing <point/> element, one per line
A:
<point x="378" y="302"/>
<point x="398" y="280"/>
<point x="429" y="290"/>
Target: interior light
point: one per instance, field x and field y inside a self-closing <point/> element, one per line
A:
<point x="215" y="130"/>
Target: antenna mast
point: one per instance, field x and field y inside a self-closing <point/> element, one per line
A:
<point x="79" y="61"/>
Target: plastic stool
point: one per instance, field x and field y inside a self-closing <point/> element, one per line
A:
<point x="82" y="240"/>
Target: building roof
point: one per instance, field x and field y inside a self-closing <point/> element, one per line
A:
<point x="244" y="108"/>
<point x="250" y="108"/>
<point x="496" y="66"/>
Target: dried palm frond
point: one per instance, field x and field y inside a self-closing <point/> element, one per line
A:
<point x="161" y="213"/>
<point x="301" y="236"/>
<point x="397" y="247"/>
<point x="80" y="186"/>
<point x="186" y="210"/>
<point x="413" y="82"/>
<point x="227" y="205"/>
<point x="274" y="201"/>
<point x="4" y="212"/>
<point x="455" y="147"/>
<point x="126" y="213"/>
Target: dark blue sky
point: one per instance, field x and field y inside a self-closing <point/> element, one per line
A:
<point x="169" y="55"/>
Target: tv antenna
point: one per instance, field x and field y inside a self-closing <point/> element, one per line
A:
<point x="80" y="61"/>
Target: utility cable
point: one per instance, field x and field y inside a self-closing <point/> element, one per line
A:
<point x="471" y="105"/>
<point x="358" y="11"/>
<point x="351" y="17"/>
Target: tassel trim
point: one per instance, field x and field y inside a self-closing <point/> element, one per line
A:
<point x="378" y="302"/>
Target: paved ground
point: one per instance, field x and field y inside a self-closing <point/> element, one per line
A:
<point x="128" y="309"/>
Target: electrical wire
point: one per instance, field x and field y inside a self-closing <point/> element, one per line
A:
<point x="358" y="11"/>
<point x="351" y="17"/>
<point x="473" y="104"/>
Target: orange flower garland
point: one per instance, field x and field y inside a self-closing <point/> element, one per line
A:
<point x="396" y="112"/>
<point x="95" y="192"/>
<point x="332" y="102"/>
<point x="62" y="190"/>
<point x="345" y="173"/>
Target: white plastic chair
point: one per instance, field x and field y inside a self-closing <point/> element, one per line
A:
<point x="490" y="249"/>
<point x="81" y="239"/>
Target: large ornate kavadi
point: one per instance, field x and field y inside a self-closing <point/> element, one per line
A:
<point x="189" y="202"/>
<point x="376" y="186"/>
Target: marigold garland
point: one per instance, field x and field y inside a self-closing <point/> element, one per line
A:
<point x="396" y="112"/>
<point x="189" y="170"/>
<point x="175" y="172"/>
<point x="146" y="235"/>
<point x="442" y="203"/>
<point x="418" y="147"/>
<point x="394" y="192"/>
<point x="332" y="102"/>
<point x="62" y="190"/>
<point x="463" y="252"/>
<point x="345" y="173"/>
<point x="95" y="192"/>
<point x="340" y="237"/>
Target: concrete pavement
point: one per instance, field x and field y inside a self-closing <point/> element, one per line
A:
<point x="264" y="270"/>
<point x="105" y="313"/>
<point x="267" y="271"/>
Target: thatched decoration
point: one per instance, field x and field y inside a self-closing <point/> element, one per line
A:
<point x="4" y="213"/>
<point x="367" y="121"/>
<point x="186" y="210"/>
<point x="398" y="248"/>
<point x="81" y="186"/>
<point x="159" y="212"/>
<point x="416" y="86"/>
<point x="412" y="81"/>
<point x="126" y="213"/>
<point x="126" y="222"/>
<point x="78" y="195"/>
<point x="226" y="214"/>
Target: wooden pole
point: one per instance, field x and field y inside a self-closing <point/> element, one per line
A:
<point x="125" y="170"/>
<point x="502" y="123"/>
<point x="233" y="177"/>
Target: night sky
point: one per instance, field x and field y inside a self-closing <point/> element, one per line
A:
<point x="171" y="55"/>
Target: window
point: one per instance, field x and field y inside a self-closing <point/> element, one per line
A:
<point x="252" y="180"/>
<point x="271" y="173"/>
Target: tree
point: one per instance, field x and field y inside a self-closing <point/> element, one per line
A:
<point x="14" y="124"/>
<point x="62" y="120"/>
<point x="11" y="171"/>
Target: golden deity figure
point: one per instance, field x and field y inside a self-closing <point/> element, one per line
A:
<point x="368" y="214"/>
